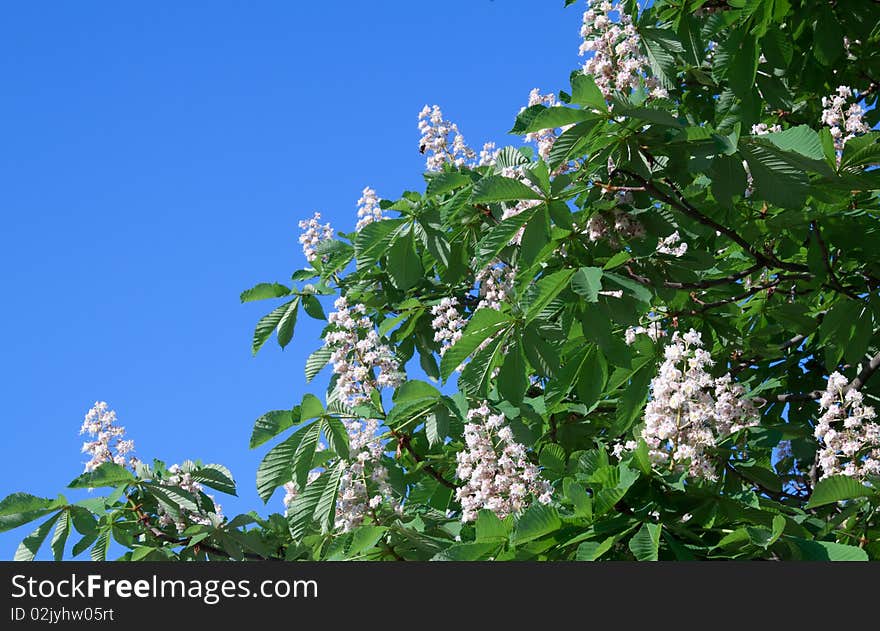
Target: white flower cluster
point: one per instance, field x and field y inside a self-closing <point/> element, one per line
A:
<point x="672" y="245"/>
<point x="448" y="323"/>
<point x="364" y="483"/>
<point x="690" y="411"/>
<point x="435" y="142"/>
<point x="495" y="470"/>
<point x="368" y="209"/>
<point x="495" y="284"/>
<point x="313" y="234"/>
<point x="653" y="331"/>
<point x="358" y="354"/>
<point x="488" y="155"/>
<point x="849" y="437"/>
<point x="108" y="444"/>
<point x="618" y="224"/>
<point x="618" y="63"/>
<point x="183" y="479"/>
<point x="844" y="123"/>
<point x="762" y="129"/>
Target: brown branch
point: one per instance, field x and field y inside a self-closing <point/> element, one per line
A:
<point x="865" y="374"/>
<point x="703" y="284"/>
<point x="403" y="440"/>
<point x="680" y="202"/>
<point x="826" y="259"/>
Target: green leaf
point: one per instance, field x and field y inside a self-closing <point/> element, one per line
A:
<point x="313" y="307"/>
<point x="489" y="528"/>
<point x="404" y="265"/>
<point x="31" y="544"/>
<point x="337" y="436"/>
<point x="591" y="381"/>
<point x="801" y="139"/>
<point x="374" y="239"/>
<point x="645" y="544"/>
<point x="828" y="37"/>
<point x="584" y="91"/>
<point x="20" y="503"/>
<point x="587" y="283"/>
<point x="59" y="537"/>
<point x="482" y="325"/>
<point x="836" y="488"/>
<point x="476" y="374"/>
<point x="272" y="321"/>
<point x="99" y="551"/>
<point x="827" y="550"/>
<point x="215" y="476"/>
<point x="276" y="468"/>
<point x="728" y="179"/>
<point x="440" y="183"/>
<point x="262" y="291"/>
<point x="538" y="520"/>
<point x="554" y="117"/>
<point x="777" y="180"/>
<point x="415" y="389"/>
<point x="437" y="425"/>
<point x="172" y="497"/>
<point x="513" y="380"/>
<point x="636" y="290"/>
<point x="304" y="508"/>
<point x="273" y="423"/>
<point x="286" y="324"/>
<point x="545" y="290"/>
<point x="496" y="188"/>
<point x="105" y="474"/>
<point x="317" y="360"/>
<point x="499" y="236"/>
<point x="304" y="455"/>
<point x="311" y="407"/>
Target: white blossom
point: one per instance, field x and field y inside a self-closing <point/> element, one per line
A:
<point x="617" y="62"/>
<point x="849" y="438"/>
<point x="441" y="140"/>
<point x="108" y="444"/>
<point x="313" y="234"/>
<point x="448" y="323"/>
<point x="690" y="411"/>
<point x="653" y="331"/>
<point x="495" y="470"/>
<point x="844" y="121"/>
<point x="672" y="245"/>
<point x="368" y="208"/>
<point x="361" y="361"/>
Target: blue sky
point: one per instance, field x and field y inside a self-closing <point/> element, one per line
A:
<point x="154" y="163"/>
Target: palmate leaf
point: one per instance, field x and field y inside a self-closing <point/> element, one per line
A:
<point x="31" y="544"/>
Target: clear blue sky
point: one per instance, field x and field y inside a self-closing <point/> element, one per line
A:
<point x="154" y="162"/>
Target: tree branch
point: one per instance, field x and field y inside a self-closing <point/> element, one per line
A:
<point x="680" y="202"/>
<point x="403" y="440"/>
